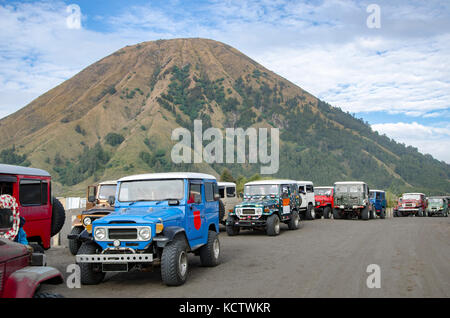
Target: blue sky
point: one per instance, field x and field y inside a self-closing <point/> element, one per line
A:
<point x="396" y="77"/>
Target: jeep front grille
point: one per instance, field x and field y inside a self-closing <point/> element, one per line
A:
<point x="122" y="234"/>
<point x="248" y="211"/>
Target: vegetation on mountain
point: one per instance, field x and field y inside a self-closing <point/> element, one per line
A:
<point x="126" y="106"/>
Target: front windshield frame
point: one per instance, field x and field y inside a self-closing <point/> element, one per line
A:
<point x="411" y="197"/>
<point x="436" y="200"/>
<point x="323" y="191"/>
<point x="172" y="185"/>
<point x="349" y="188"/>
<point x="107" y="187"/>
<point x="268" y="189"/>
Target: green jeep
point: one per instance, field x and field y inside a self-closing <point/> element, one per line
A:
<point x="266" y="204"/>
<point x="351" y="199"/>
<point x="437" y="206"/>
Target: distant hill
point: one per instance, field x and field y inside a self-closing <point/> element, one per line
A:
<point x="115" y="118"/>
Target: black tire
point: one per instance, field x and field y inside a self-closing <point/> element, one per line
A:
<point x="91" y="274"/>
<point x="336" y="214"/>
<point x="294" y="221"/>
<point x="231" y="229"/>
<point x="74" y="245"/>
<point x="210" y="253"/>
<point x="221" y="212"/>
<point x="383" y="214"/>
<point x="174" y="262"/>
<point x="37" y="248"/>
<point x="365" y="213"/>
<point x="310" y="212"/>
<point x="47" y="295"/>
<point x="373" y="213"/>
<point x="58" y="216"/>
<point x="273" y="225"/>
<point x="395" y="214"/>
<point x="326" y="212"/>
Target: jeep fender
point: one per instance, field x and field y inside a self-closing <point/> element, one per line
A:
<point x="24" y="282"/>
<point x="169" y="234"/>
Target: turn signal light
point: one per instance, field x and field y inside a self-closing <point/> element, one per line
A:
<point x="159" y="228"/>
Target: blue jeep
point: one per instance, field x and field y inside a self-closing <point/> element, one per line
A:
<point x="158" y="218"/>
<point x="378" y="199"/>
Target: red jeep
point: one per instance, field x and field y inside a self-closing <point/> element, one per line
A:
<point x="413" y="204"/>
<point x="44" y="215"/>
<point x="324" y="201"/>
<point x="21" y="271"/>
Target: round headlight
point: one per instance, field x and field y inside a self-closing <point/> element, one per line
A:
<point x="259" y="210"/>
<point x="87" y="221"/>
<point x="144" y="233"/>
<point x="99" y="234"/>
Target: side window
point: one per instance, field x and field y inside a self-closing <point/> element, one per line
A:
<point x="309" y="188"/>
<point x="195" y="193"/>
<point x="301" y="188"/>
<point x="44" y="197"/>
<point x="209" y="192"/>
<point x="222" y="192"/>
<point x="231" y="192"/>
<point x="30" y="192"/>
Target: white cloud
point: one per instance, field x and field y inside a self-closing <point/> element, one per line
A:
<point x="434" y="140"/>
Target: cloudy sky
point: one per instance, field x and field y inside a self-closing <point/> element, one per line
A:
<point x="392" y="69"/>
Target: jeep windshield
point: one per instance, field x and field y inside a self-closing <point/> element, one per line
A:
<point x="106" y="191"/>
<point x="261" y="189"/>
<point x="436" y="201"/>
<point x="322" y="191"/>
<point x="151" y="190"/>
<point x="372" y="195"/>
<point x="411" y="197"/>
<point x="349" y="188"/>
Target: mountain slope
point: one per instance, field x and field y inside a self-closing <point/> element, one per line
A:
<point x="116" y="117"/>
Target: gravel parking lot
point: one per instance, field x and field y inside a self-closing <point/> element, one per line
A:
<point x="324" y="258"/>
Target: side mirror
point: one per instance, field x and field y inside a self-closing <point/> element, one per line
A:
<point x="241" y="195"/>
<point x="91" y="199"/>
<point x="6" y="219"/>
<point x="111" y="200"/>
<point x="198" y="198"/>
<point x="216" y="197"/>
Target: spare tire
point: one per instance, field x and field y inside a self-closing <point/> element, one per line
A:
<point x="58" y="216"/>
<point x="221" y="211"/>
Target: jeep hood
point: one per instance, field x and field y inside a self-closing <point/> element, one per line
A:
<point x="141" y="215"/>
<point x="258" y="202"/>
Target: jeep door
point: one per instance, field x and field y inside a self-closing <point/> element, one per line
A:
<point x="195" y="210"/>
<point x="211" y="205"/>
<point x="35" y="207"/>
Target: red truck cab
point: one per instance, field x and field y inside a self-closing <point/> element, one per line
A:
<point x="413" y="204"/>
<point x="324" y="201"/>
<point x="44" y="215"/>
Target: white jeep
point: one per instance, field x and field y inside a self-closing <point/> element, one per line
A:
<point x="229" y="198"/>
<point x="306" y="191"/>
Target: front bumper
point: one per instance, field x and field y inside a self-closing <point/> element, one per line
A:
<point x="248" y="223"/>
<point x="115" y="258"/>
<point x="408" y="209"/>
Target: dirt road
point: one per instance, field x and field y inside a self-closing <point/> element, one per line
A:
<point x="324" y="258"/>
